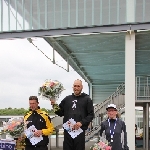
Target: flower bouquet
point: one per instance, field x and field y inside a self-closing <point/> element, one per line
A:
<point x="101" y="146"/>
<point x="51" y="89"/>
<point x="14" y="127"/>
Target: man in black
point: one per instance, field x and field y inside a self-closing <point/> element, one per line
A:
<point x="42" y="122"/>
<point x="79" y="107"/>
<point x="135" y="134"/>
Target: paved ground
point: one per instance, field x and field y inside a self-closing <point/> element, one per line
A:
<point x="60" y="144"/>
<point x="53" y="144"/>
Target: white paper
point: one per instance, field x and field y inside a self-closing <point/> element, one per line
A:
<point x="69" y="127"/>
<point x="30" y="135"/>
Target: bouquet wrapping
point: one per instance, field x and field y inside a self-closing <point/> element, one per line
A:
<point x="51" y="89"/>
<point x="14" y="127"/>
<point x="101" y="145"/>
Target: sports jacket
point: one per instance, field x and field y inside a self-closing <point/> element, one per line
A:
<point x="41" y="120"/>
<point x="80" y="108"/>
<point x="120" y="134"/>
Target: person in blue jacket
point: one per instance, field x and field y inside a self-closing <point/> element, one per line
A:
<point x="79" y="107"/>
<point x="115" y="129"/>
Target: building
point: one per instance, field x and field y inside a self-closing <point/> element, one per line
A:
<point x="105" y="41"/>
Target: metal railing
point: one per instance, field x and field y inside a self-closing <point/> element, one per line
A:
<point x="100" y="110"/>
<point x="56" y="14"/>
<point x="142" y="88"/>
<point x="100" y="113"/>
<point x="118" y="98"/>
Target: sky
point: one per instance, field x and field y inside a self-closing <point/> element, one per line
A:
<point x="24" y="69"/>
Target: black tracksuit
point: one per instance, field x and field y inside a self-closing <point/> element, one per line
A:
<point x="119" y="133"/>
<point x="82" y="112"/>
<point x="41" y="121"/>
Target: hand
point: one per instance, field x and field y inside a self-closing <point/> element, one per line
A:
<point x="52" y="101"/>
<point x="77" y="125"/>
<point x="21" y="138"/>
<point x="38" y="133"/>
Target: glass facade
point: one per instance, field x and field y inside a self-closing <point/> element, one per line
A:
<point x="16" y="15"/>
<point x="142" y="10"/>
<point x="138" y="118"/>
<point x="54" y="14"/>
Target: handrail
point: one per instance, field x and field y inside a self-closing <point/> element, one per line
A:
<point x="142" y="91"/>
<point x="100" y="110"/>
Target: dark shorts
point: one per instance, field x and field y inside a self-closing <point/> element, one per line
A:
<point x="77" y="143"/>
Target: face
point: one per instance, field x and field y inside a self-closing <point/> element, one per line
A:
<point x="111" y="112"/>
<point x="77" y="87"/>
<point x="33" y="104"/>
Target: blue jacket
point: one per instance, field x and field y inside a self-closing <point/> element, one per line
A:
<point x="120" y="134"/>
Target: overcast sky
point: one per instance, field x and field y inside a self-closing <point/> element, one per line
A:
<point x="23" y="69"/>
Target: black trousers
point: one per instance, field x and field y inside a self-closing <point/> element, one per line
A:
<point x="77" y="143"/>
<point x="42" y="147"/>
<point x="135" y="140"/>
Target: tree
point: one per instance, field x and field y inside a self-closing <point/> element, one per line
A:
<point x="20" y="111"/>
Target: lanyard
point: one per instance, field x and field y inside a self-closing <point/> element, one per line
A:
<point x="112" y="129"/>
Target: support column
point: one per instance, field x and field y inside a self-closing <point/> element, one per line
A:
<point x="144" y="126"/>
<point x="49" y="144"/>
<point x="147" y="127"/>
<point x="57" y="138"/>
<point x="130" y="88"/>
<point x="90" y="91"/>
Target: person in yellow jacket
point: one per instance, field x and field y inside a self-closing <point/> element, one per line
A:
<point x="42" y="122"/>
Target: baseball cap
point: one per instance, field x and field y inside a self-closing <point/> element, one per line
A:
<point x="111" y="106"/>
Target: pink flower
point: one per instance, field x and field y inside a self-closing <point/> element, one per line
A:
<point x="101" y="144"/>
<point x="108" y="148"/>
<point x="52" y="84"/>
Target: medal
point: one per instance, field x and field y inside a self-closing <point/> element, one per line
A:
<point x="111" y="138"/>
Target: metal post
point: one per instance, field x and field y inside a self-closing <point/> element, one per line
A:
<point x="57" y="138"/>
<point x="46" y="14"/>
<point x="69" y="13"/>
<point x="147" y="126"/>
<point x="84" y="12"/>
<point x="111" y="99"/>
<point x="54" y="11"/>
<point x="8" y="15"/>
<point x="144" y="126"/>
<point x="38" y="14"/>
<point x="130" y="88"/>
<point x="101" y="12"/>
<point x="91" y="91"/>
<point x="16" y="9"/>
<point x="1" y="5"/>
<point x="49" y="144"/>
<point x="136" y="88"/>
<point x="130" y="10"/>
<point x="118" y="9"/>
<point x="77" y="11"/>
<point x="31" y="15"/>
<point x="23" y="13"/>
